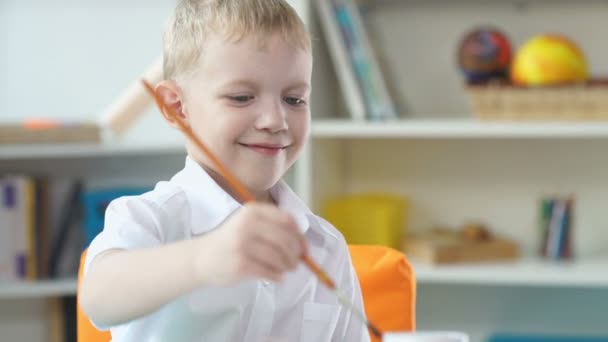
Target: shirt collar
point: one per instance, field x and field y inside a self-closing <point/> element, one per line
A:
<point x="210" y="205"/>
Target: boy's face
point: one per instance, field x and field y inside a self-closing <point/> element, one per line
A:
<point x="249" y="104"/>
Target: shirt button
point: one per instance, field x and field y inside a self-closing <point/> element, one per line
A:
<point x="265" y="283"/>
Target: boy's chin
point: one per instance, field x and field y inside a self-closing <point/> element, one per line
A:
<point x="263" y="181"/>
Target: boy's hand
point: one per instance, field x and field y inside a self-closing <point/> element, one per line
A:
<point x="258" y="241"/>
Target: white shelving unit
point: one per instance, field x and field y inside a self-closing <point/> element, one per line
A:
<point x="108" y="149"/>
<point x="453" y="168"/>
<point x="463" y="128"/>
<point x="335" y="129"/>
<point x="526" y="273"/>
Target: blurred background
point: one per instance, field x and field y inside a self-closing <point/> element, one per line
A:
<point x="469" y="134"/>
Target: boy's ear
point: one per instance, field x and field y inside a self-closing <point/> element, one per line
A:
<point x="172" y="96"/>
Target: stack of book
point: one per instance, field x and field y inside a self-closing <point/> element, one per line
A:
<point x="361" y="81"/>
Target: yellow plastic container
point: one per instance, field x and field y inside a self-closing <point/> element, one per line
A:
<point x="372" y="218"/>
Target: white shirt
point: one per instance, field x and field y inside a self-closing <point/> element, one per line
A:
<point x="299" y="308"/>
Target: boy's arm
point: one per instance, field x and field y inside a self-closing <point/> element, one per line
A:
<point x="131" y="273"/>
<point x="122" y="285"/>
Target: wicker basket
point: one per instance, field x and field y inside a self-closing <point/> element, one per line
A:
<point x="582" y="102"/>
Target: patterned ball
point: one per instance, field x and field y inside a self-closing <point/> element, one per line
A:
<point x="484" y="53"/>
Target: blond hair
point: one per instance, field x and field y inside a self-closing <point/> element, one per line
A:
<point x="193" y="20"/>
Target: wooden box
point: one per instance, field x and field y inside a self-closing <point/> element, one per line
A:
<point x="455" y="248"/>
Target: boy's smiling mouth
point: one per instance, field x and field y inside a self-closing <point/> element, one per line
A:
<point x="265" y="149"/>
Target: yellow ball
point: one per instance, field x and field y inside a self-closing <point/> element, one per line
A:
<point x="549" y="59"/>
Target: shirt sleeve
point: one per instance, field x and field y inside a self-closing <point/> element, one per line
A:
<point x="130" y="223"/>
<point x="350" y="327"/>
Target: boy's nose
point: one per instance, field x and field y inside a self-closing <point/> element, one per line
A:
<point x="272" y="119"/>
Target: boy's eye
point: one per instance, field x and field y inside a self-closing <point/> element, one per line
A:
<point x="294" y="101"/>
<point x="241" y="98"/>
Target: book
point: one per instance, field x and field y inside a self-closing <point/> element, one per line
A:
<point x="7" y="251"/>
<point x="42" y="226"/>
<point x="69" y="217"/>
<point x="339" y="54"/>
<point x="23" y="226"/>
<point x="556" y="227"/>
<point x="24" y="220"/>
<point x="378" y="101"/>
<point x="546" y="209"/>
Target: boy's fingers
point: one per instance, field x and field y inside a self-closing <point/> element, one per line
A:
<point x="258" y="271"/>
<point x="266" y="255"/>
<point x="287" y="223"/>
<point x="284" y="243"/>
<point x="303" y="246"/>
<point x="279" y="228"/>
<point x="280" y="218"/>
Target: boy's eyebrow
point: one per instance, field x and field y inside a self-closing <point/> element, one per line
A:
<point x="251" y="84"/>
<point x="242" y="82"/>
<point x="299" y="85"/>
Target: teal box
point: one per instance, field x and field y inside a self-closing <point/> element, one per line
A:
<point x="95" y="203"/>
<point x="545" y="338"/>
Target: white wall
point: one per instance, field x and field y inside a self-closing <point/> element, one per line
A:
<point x="70" y="59"/>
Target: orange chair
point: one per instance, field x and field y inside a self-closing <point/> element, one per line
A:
<point x="386" y="279"/>
<point x="388" y="285"/>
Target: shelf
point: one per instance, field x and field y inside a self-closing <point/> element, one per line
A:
<point x="436" y="129"/>
<point x="457" y="129"/>
<point x="38" y="289"/>
<point x="88" y="150"/>
<point x="527" y="272"/>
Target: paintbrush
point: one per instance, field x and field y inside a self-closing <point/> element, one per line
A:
<point x="246" y="196"/>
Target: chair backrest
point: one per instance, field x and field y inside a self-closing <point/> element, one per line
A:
<point x="387" y="283"/>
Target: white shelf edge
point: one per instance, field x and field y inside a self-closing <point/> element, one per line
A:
<point x="462" y="128"/>
<point x="525" y="272"/>
<point x="33" y="151"/>
<point x="38" y="288"/>
<point x="436" y="129"/>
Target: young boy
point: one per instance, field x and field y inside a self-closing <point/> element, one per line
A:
<point x="187" y="261"/>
